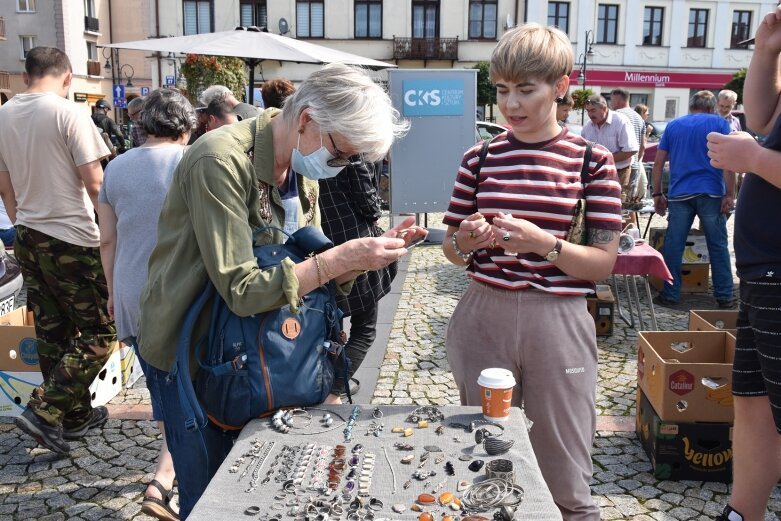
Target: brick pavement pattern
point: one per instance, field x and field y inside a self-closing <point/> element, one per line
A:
<point x="108" y="471"/>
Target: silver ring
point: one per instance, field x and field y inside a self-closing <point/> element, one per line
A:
<point x="506" y="236"/>
<point x="252" y="511"/>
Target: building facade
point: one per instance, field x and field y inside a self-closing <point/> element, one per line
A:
<point x="661" y="50"/>
<point x="79" y="28"/>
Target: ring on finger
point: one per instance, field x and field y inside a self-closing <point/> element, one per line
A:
<point x="506" y="236"/>
<point x="471" y="234"/>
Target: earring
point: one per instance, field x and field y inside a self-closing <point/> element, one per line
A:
<point x="300" y="130"/>
<point x="559" y="99"/>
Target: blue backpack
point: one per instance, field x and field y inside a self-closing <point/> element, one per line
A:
<point x="249" y="366"/>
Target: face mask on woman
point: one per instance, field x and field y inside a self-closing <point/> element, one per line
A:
<point x="314" y="165"/>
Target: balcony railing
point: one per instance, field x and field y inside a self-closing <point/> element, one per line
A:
<point x="425" y="48"/>
<point x="2" y="28"/>
<point x="5" y="81"/>
<point x="93" y="68"/>
<point x="91" y="24"/>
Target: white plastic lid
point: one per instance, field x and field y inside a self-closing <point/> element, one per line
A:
<point x="496" y="378"/>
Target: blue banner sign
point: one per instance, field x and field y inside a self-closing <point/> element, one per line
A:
<point x="433" y="97"/>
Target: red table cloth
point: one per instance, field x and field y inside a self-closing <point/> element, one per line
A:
<point x="642" y="260"/>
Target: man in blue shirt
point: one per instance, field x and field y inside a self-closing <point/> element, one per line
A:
<point x="696" y="188"/>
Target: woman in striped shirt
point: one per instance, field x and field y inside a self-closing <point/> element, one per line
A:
<point x="507" y="222"/>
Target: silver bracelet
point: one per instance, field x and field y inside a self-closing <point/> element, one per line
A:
<point x="466" y="257"/>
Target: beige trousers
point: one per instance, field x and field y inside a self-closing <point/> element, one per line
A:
<point x="549" y="343"/>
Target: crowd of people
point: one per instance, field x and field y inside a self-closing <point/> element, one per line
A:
<point x="214" y="173"/>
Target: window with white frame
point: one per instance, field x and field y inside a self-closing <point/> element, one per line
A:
<point x="482" y="19"/>
<point x="368" y="18"/>
<point x="253" y="12"/>
<point x="607" y="23"/>
<point x="92" y="51"/>
<point x="197" y="16"/>
<point x="310" y="19"/>
<point x="698" y="28"/>
<point x="25" y="6"/>
<point x="558" y="15"/>
<point x="27" y="43"/>
<point x="89" y="8"/>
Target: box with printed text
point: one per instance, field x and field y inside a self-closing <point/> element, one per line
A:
<point x="687" y="375"/>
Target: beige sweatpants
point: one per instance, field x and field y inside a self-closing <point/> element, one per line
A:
<point x="549" y="343"/>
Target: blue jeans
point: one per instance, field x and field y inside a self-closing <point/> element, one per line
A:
<point x="714" y="224"/>
<point x="8" y="236"/>
<point x="152" y="387"/>
<point x="197" y="455"/>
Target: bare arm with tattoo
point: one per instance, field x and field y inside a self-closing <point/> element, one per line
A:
<point x="595" y="260"/>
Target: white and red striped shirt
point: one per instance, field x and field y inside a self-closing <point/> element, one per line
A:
<point x="539" y="182"/>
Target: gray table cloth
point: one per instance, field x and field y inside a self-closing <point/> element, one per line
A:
<point x="227" y="498"/>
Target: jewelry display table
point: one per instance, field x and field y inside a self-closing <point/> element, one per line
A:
<point x="378" y="483"/>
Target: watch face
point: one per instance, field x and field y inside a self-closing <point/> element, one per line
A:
<point x="552" y="255"/>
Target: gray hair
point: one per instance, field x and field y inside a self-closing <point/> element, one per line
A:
<point x="135" y="103"/>
<point x="729" y="95"/>
<point x="596" y="100"/>
<point x="167" y="113"/>
<point x="703" y="101"/>
<point x="215" y="92"/>
<point x="345" y="100"/>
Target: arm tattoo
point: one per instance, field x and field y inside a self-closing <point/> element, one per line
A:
<point x="596" y="236"/>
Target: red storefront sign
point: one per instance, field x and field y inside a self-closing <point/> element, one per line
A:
<point x="687" y="80"/>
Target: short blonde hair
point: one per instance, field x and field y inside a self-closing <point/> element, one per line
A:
<point x="532" y="51"/>
<point x="729" y="95"/>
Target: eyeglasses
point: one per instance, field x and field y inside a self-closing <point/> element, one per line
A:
<point x="133" y="114"/>
<point x="340" y="160"/>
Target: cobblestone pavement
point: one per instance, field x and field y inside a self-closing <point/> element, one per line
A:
<point x="107" y="472"/>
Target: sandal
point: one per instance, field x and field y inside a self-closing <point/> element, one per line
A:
<point x="159" y="508"/>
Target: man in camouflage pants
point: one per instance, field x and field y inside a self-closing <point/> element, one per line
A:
<point x="50" y="176"/>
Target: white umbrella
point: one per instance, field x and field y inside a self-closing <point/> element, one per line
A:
<point x="252" y="46"/>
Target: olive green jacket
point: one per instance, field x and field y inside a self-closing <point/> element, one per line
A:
<point x="222" y="190"/>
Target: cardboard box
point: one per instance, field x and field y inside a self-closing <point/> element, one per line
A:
<point x="20" y="372"/>
<point x="713" y="320"/>
<point x="694" y="279"/>
<point x="694" y="451"/>
<point x="696" y="251"/>
<point x="687" y="375"/>
<point x="108" y="383"/>
<point x="131" y="368"/>
<point x="602" y="308"/>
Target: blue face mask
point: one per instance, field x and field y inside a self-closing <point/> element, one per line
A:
<point x="314" y="165"/>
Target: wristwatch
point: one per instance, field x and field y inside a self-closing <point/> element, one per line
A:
<point x="552" y="255"/>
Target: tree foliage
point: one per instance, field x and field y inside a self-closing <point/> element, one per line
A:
<point x="202" y="71"/>
<point x="736" y="84"/>
<point x="486" y="92"/>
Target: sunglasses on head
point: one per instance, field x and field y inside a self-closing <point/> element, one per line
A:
<point x="339" y="160"/>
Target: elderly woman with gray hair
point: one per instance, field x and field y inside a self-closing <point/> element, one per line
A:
<point x="248" y="176"/>
<point x="134" y="187"/>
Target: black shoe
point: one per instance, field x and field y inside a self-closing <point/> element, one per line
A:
<point x="99" y="417"/>
<point x="725" y="304"/>
<point x="664" y="301"/>
<point x="47" y="435"/>
<point x="729" y="514"/>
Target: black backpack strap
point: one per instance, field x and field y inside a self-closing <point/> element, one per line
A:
<point x="481" y="161"/>
<point x="586" y="163"/>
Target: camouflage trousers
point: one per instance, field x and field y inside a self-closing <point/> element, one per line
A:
<point x="68" y="295"/>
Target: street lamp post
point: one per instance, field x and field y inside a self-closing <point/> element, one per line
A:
<point x="583" y="60"/>
<point x="128" y="75"/>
